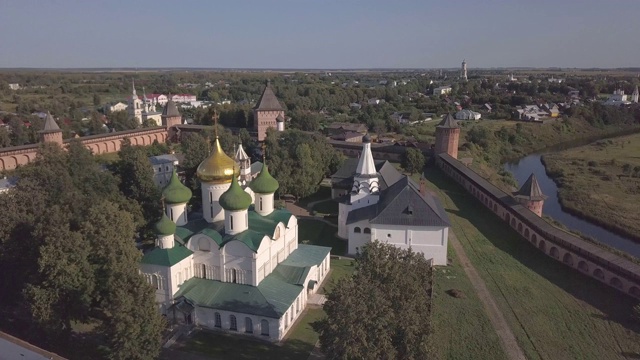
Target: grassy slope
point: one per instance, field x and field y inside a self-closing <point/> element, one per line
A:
<point x="554" y="312"/>
<point x="600" y="191"/>
<point x="461" y="328"/>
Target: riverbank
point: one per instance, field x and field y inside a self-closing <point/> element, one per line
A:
<point x="600" y="182"/>
<point x="491" y="144"/>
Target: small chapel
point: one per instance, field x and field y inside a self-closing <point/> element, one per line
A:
<point x="386" y="206"/>
<point x="235" y="265"/>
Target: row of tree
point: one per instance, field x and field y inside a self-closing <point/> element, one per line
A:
<point x="68" y="254"/>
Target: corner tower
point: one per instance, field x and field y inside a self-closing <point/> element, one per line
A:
<point x="447" y="137"/>
<point x="531" y="196"/>
<point x="215" y="174"/>
<point x="51" y="131"/>
<point x="266" y="112"/>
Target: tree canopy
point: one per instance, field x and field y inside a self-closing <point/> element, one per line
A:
<point x="383" y="310"/>
<point x="300" y="160"/>
<point x="67" y="253"/>
<point x="413" y="160"/>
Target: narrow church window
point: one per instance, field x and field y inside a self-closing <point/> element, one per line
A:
<point x="264" y="327"/>
<point x="261" y="203"/>
<point x="204" y="271"/>
<point x="218" y="320"/>
<point x="156" y="282"/>
<point x="357" y="230"/>
<point x="231" y="221"/>
<point x="234" y="325"/>
<point x="171" y="212"/>
<point x="248" y="325"/>
<point x="234" y="276"/>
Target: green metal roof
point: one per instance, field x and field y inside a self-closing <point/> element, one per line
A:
<point x="259" y="226"/>
<point x="166" y="257"/>
<point x="271" y="298"/>
<point x="175" y="192"/>
<point x="306" y="255"/>
<point x="165" y="226"/>
<point x="264" y="183"/>
<point x="235" y="199"/>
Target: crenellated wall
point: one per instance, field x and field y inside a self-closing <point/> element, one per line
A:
<point x="12" y="157"/>
<point x="573" y="251"/>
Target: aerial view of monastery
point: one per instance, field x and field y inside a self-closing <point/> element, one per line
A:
<point x="319" y="180"/>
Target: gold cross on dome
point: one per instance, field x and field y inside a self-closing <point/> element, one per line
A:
<point x="215" y="122"/>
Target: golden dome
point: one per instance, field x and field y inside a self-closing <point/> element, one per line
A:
<point x="218" y="167"/>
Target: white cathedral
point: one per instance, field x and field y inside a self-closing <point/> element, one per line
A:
<point x="238" y="267"/>
<point x="143" y="109"/>
<point x="386" y="206"/>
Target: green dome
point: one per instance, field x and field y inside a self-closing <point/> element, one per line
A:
<point x="175" y="192"/>
<point x="264" y="183"/>
<point x="165" y="226"/>
<point x="235" y="198"/>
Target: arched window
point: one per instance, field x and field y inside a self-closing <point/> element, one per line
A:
<point x="204" y="271"/>
<point x="171" y="211"/>
<point x="218" y="320"/>
<point x="231" y="221"/>
<point x="204" y="245"/>
<point x="367" y="230"/>
<point x="233" y="325"/>
<point x="260" y="203"/>
<point x="357" y="230"/>
<point x="264" y="328"/>
<point x="155" y="282"/>
<point x="248" y="325"/>
<point x="234" y="276"/>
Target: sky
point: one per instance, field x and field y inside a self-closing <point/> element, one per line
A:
<point x="319" y="34"/>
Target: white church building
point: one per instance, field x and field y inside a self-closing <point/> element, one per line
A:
<point x="401" y="213"/>
<point x="238" y="267"/>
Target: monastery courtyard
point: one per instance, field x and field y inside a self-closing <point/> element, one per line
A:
<point x="541" y="309"/>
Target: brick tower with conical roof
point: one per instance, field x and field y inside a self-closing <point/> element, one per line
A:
<point x="51" y="131"/>
<point x="447" y="137"/>
<point x="266" y="112"/>
<point x="531" y="196"/>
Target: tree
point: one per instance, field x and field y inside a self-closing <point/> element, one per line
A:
<point x="136" y="181"/>
<point x="195" y="149"/>
<point x="393" y="322"/>
<point x="413" y="160"/>
<point x="5" y="138"/>
<point x="66" y="252"/>
<point x="120" y="121"/>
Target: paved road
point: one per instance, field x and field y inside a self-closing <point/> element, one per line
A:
<point x="507" y="339"/>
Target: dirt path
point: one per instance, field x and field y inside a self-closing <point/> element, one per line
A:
<point x="507" y="339"/>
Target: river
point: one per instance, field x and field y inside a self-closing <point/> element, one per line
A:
<point x="532" y="164"/>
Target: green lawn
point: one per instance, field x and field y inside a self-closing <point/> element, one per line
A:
<point x="315" y="232"/>
<point x="328" y="207"/>
<point x="297" y="345"/>
<point x="324" y="192"/>
<point x="554" y="312"/>
<point x="340" y="268"/>
<point x="461" y="328"/>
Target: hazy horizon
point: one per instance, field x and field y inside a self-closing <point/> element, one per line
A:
<point x="332" y="35"/>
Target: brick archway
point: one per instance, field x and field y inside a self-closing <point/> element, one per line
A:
<point x="583" y="266"/>
<point x="554" y="252"/>
<point x="568" y="259"/>
<point x="598" y="274"/>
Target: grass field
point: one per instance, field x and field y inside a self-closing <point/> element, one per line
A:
<point x="554" y="312"/>
<point x="297" y="345"/>
<point x="315" y="232"/>
<point x="601" y="181"/>
<point x="461" y="328"/>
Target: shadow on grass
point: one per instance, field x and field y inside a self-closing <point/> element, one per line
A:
<point x="218" y="345"/>
<point x="614" y="304"/>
